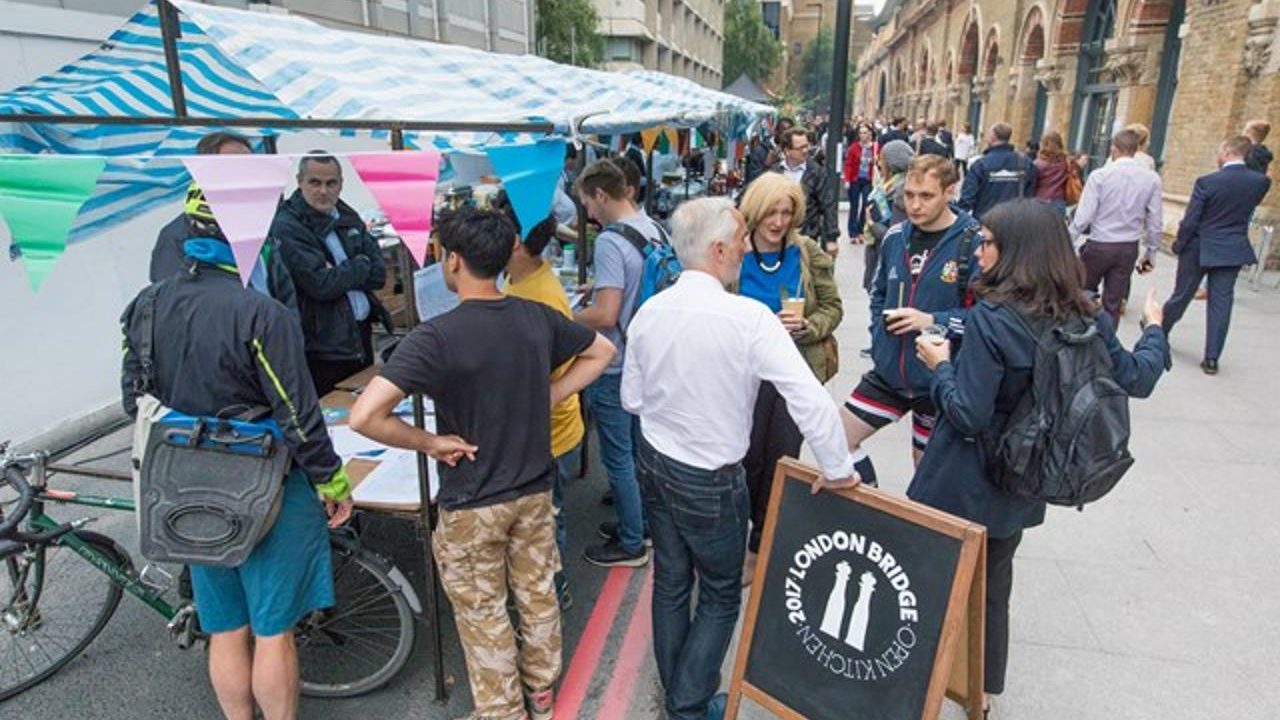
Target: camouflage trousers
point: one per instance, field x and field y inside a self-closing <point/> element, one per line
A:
<point x="481" y="552"/>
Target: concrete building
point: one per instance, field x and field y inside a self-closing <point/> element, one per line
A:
<point x="1194" y="71"/>
<point x="795" y="23"/>
<point x="680" y="37"/>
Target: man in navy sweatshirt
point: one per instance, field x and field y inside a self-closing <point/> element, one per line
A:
<point x="925" y="266"/>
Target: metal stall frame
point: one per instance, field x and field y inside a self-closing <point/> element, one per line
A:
<point x="170" y="32"/>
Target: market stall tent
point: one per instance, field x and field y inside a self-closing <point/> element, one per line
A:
<point x="238" y="64"/>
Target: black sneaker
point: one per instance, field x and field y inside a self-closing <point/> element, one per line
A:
<point x="611" y="554"/>
<point x="609" y="531"/>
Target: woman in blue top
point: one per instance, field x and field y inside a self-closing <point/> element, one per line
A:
<point x="784" y="265"/>
<point x="1028" y="267"/>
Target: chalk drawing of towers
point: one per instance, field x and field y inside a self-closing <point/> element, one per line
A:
<point x="857" y="636"/>
<point x="833" y="617"/>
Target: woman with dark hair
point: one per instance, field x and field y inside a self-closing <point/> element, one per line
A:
<point x="1028" y="270"/>
<point x="860" y="160"/>
<point x="1053" y="168"/>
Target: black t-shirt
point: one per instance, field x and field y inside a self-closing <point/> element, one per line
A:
<point x="487" y="365"/>
<point x="920" y="245"/>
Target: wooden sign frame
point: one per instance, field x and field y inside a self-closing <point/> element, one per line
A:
<point x="956" y="675"/>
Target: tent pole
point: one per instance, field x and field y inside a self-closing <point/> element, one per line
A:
<point x="170" y="31"/>
<point x="424" y="485"/>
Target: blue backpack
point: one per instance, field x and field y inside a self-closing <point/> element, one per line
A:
<point x="661" y="266"/>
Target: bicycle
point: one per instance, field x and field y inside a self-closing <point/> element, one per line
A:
<point x="60" y="585"/>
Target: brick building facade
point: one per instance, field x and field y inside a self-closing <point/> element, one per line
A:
<point x="1194" y="71"/>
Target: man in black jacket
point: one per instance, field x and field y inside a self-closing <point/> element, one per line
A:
<point x="821" y="207"/>
<point x="336" y="265"/>
<point x="196" y="220"/>
<point x="929" y="144"/>
<point x="220" y="345"/>
<point x="1002" y="173"/>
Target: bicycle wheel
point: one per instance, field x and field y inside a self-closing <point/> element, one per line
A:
<point x="73" y="602"/>
<point x="365" y="638"/>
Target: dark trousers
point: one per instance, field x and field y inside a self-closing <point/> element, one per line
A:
<point x="774" y="435"/>
<point x="326" y="374"/>
<point x="999" y="588"/>
<point x="859" y="192"/>
<point x="1222" y="294"/>
<point x="1111" y="265"/>
<point x="699" y="524"/>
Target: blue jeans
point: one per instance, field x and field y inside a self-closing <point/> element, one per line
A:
<point x="699" y="523"/>
<point x="859" y="194"/>
<point x="615" y="428"/>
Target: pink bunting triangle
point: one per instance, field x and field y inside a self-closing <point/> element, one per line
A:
<point x="243" y="191"/>
<point x="404" y="184"/>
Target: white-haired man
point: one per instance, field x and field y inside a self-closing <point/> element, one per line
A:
<point x="695" y="360"/>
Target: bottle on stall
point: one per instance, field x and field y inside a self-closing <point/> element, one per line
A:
<point x="570" y="257"/>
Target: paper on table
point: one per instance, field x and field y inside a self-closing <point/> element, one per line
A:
<point x="348" y="443"/>
<point x="395" y="481"/>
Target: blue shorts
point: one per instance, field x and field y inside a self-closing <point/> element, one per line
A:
<point x="288" y="575"/>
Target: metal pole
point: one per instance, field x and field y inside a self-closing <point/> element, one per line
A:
<point x="280" y="123"/>
<point x="424" y="483"/>
<point x="170" y="31"/>
<point x="839" y="85"/>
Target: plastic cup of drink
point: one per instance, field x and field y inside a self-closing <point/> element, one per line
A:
<point x="935" y="334"/>
<point x="795" y="305"/>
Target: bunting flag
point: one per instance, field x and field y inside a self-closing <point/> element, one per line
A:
<point x="404" y="184"/>
<point x="664" y="144"/>
<point x="649" y="138"/>
<point x="243" y="191"/>
<point x="529" y="172"/>
<point x="40" y="196"/>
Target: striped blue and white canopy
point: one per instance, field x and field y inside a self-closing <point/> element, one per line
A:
<point x="249" y="64"/>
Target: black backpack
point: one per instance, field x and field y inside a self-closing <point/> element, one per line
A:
<point x="1067" y="440"/>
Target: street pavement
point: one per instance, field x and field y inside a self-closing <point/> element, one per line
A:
<point x="1156" y="602"/>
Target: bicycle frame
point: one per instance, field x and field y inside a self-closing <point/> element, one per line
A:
<point x="38" y="520"/>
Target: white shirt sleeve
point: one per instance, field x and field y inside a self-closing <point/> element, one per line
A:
<point x="632" y="386"/>
<point x="779" y="361"/>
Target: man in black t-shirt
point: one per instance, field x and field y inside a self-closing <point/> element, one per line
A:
<point x="487" y="365"/>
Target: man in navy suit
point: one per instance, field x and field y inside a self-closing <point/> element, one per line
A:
<point x="1213" y="240"/>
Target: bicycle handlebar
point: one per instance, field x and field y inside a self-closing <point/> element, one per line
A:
<point x="10" y="520"/>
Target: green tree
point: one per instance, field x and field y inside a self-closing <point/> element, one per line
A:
<point x="749" y="45"/>
<point x="566" y="32"/>
<point x="816" y="66"/>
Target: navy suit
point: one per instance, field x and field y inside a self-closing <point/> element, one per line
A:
<point x="1213" y="240"/>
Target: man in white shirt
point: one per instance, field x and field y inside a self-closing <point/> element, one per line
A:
<point x="696" y="355"/>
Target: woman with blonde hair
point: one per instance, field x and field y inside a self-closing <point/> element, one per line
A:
<point x="791" y="274"/>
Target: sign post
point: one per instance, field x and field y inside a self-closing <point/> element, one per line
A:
<point x="864" y="605"/>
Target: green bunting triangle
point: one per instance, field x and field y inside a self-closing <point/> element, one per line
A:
<point x="40" y="196"/>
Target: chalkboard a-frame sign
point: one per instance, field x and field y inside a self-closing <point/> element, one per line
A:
<point x="863" y="605"/>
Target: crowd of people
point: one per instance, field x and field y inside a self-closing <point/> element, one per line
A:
<point x="695" y="392"/>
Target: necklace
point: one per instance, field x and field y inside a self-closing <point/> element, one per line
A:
<point x="768" y="269"/>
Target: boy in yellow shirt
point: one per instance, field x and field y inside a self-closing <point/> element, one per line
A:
<point x="530" y="277"/>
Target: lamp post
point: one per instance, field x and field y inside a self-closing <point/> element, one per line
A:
<point x="839" y="86"/>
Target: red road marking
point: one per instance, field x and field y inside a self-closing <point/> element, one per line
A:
<point x="635" y="647"/>
<point x="573" y="690"/>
